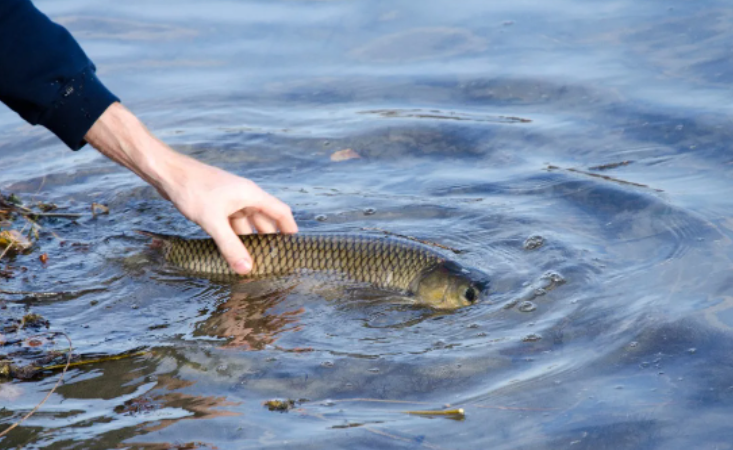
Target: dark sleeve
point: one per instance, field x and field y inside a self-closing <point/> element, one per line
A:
<point x="45" y="76"/>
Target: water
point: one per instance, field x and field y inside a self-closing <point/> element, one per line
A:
<point x="630" y="352"/>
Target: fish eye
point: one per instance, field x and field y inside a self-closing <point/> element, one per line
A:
<point x="470" y="294"/>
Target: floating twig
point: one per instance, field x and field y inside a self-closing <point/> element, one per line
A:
<point x="35" y="224"/>
<point x="5" y="251"/>
<point x="610" y="165"/>
<point x="604" y="177"/>
<point x="446" y="412"/>
<point x="53" y="214"/>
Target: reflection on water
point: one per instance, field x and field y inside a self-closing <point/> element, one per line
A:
<point x="577" y="152"/>
<point x="250" y="320"/>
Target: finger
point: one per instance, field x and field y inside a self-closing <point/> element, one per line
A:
<point x="263" y="224"/>
<point x="241" y="225"/>
<point x="280" y="213"/>
<point x="230" y="246"/>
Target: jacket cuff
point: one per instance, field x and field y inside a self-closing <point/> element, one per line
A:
<point x="78" y="105"/>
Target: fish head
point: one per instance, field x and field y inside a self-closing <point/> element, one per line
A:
<point x="448" y="285"/>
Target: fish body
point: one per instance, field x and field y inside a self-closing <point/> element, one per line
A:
<point x="385" y="262"/>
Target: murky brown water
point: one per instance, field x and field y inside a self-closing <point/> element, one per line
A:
<point x="479" y="126"/>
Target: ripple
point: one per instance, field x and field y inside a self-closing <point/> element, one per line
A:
<point x="420" y="44"/>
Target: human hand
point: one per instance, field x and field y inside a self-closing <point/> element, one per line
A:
<point x="224" y="205"/>
<point x="221" y="203"/>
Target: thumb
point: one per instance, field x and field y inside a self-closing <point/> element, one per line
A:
<point x="231" y="247"/>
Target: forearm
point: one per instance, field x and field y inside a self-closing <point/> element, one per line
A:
<point x="120" y="136"/>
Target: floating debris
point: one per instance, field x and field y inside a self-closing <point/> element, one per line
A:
<point x="344" y="155"/>
<point x="138" y="405"/>
<point x="534" y="242"/>
<point x="456" y="414"/>
<point x="33" y="320"/>
<point x="610" y="165"/>
<point x="547" y="282"/>
<point x="350" y="425"/>
<point x="604" y="177"/>
<point x="14" y="241"/>
<point x="30" y="320"/>
<point x="280" y="405"/>
<point x="46" y="207"/>
<point x="7" y="370"/>
<point x="526" y="307"/>
<point x="551" y="280"/>
<point x="14" y="199"/>
<point x="532" y="338"/>
<point x="98" y="209"/>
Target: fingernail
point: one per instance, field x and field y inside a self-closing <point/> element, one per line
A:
<point x="243" y="266"/>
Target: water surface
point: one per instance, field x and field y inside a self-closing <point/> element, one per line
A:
<point x="603" y="127"/>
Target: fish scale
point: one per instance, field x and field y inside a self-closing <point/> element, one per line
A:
<point x="384" y="262"/>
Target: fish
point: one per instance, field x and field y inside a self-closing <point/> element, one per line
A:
<point x="386" y="262"/>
